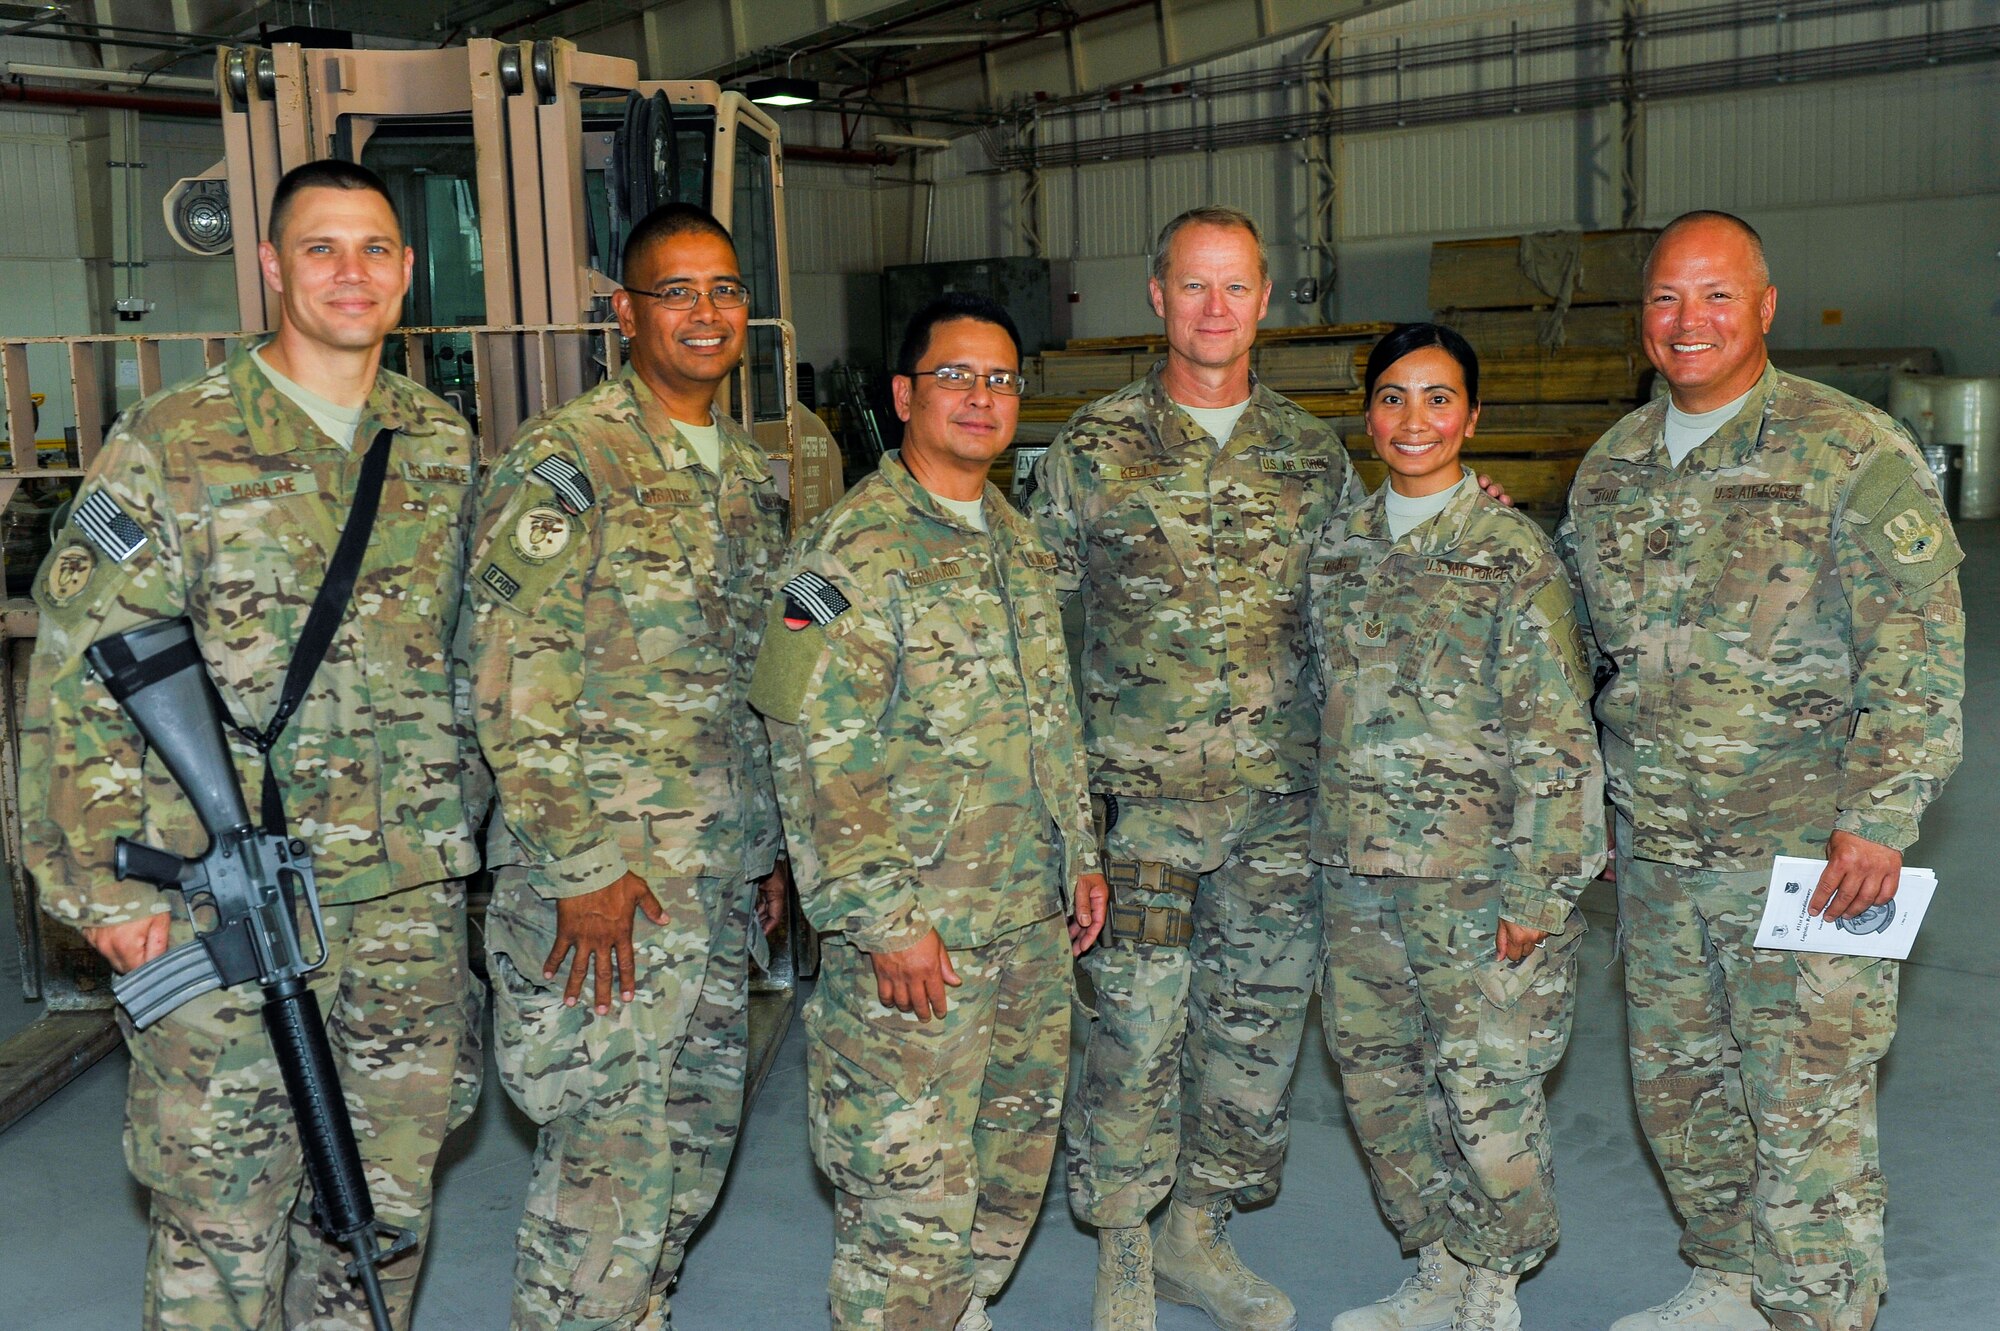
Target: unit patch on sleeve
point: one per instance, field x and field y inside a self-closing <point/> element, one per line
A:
<point x="540" y="534"/>
<point x="69" y="573"/>
<point x="108" y="526"/>
<point x="811" y="599"/>
<point x="572" y="487"/>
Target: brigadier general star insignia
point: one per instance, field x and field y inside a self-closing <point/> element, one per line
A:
<point x="811" y="599"/>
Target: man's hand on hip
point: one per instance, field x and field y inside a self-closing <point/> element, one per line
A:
<point x="598" y="926"/>
<point x="1859" y="873"/>
<point x="130" y="945"/>
<point x="772" y="892"/>
<point x="914" y="979"/>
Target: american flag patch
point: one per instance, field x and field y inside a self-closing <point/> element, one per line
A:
<point x="811" y="599"/>
<point x="108" y="526"/>
<point x="572" y="487"/>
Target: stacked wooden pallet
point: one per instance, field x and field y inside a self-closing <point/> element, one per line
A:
<point x="1318" y="366"/>
<point x="1554" y="318"/>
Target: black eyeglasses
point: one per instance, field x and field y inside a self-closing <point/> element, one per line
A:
<point x="958" y="379"/>
<point x="723" y="295"/>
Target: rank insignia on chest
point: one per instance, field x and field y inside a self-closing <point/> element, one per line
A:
<point x="541" y="533"/>
<point x="811" y="599"/>
<point x="108" y="526"/>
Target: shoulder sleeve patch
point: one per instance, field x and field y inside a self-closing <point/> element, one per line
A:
<point x="572" y="487"/>
<point x="1901" y="524"/>
<point x="786" y="660"/>
<point x="1554" y="609"/>
<point x="812" y="600"/>
<point x="106" y="525"/>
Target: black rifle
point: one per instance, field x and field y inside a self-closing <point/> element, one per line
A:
<point x="247" y="888"/>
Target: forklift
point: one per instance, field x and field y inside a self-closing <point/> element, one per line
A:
<point x="518" y="168"/>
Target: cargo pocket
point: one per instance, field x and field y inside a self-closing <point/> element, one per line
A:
<point x="874" y="1127"/>
<point x="548" y="1054"/>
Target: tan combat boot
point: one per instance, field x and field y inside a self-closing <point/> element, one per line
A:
<point x="1124" y="1298"/>
<point x="1712" y="1301"/>
<point x="974" y="1317"/>
<point x="1423" y="1302"/>
<point x="1195" y="1264"/>
<point x="1487" y="1303"/>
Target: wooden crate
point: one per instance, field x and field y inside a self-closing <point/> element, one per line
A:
<point x="1310" y="367"/>
<point x="1494" y="331"/>
<point x="1485" y="274"/>
<point x="1573" y="374"/>
<point x="1065" y="373"/>
<point x="1591" y="418"/>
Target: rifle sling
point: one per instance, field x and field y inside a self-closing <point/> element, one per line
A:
<point x="321" y="622"/>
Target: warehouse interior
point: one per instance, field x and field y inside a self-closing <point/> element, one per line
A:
<point x="1499" y="166"/>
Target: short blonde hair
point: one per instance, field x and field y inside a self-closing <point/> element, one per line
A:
<point x="1210" y="214"/>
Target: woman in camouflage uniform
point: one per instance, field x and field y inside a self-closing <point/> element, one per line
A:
<point x="1459" y="813"/>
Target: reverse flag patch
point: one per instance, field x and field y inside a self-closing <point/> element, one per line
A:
<point x="572" y="487"/>
<point x="108" y="526"/>
<point x="811" y="599"/>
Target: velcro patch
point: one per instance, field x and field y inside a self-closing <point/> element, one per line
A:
<point x="938" y="572"/>
<point x="572" y="487"/>
<point x="438" y="473"/>
<point x="1293" y="465"/>
<point x="108" y="526"/>
<point x="785" y="666"/>
<point x="1137" y="472"/>
<point x="1602" y="494"/>
<point x="811" y="599"/>
<point x="1453" y="568"/>
<point x="1043" y="559"/>
<point x="279" y="485"/>
<point x="657" y="496"/>
<point x="505" y="586"/>
<point x="1769" y="492"/>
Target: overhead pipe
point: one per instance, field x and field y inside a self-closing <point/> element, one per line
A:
<point x="37" y="95"/>
<point x="1069" y="24"/>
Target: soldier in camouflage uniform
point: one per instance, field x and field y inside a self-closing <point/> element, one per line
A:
<point x="1771" y="597"/>
<point x="618" y="591"/>
<point x="1460" y="812"/>
<point x="1181" y="509"/>
<point x="931" y="771"/>
<point x="222" y="500"/>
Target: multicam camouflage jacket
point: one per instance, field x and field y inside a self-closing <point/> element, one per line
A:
<point x="927" y="750"/>
<point x="1777" y="624"/>
<point x="1456" y="740"/>
<point x="616" y="594"/>
<point x="1189" y="565"/>
<point x="220" y="500"/>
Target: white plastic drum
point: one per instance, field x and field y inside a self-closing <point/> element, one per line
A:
<point x="1945" y="409"/>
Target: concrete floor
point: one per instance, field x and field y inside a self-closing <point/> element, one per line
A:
<point x="72" y="1236"/>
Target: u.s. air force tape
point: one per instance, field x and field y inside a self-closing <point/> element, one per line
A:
<point x="108" y="526"/>
<point x="572" y="487"/>
<point x="811" y="599"/>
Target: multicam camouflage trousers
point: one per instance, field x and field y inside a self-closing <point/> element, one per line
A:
<point x="1187" y="1074"/>
<point x="209" y="1130"/>
<point x="1755" y="1076"/>
<point x="1442" y="1048"/>
<point x="639" y="1108"/>
<point x="937" y="1135"/>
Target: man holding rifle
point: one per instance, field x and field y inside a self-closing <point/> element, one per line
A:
<point x="223" y="500"/>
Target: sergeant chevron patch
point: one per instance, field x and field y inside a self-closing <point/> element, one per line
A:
<point x="811" y="599"/>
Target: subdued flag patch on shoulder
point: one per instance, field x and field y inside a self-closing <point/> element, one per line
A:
<point x="106" y="524"/>
<point x="811" y="599"/>
<point x="572" y="487"/>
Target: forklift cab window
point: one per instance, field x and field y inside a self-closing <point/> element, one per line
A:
<point x="753" y="223"/>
